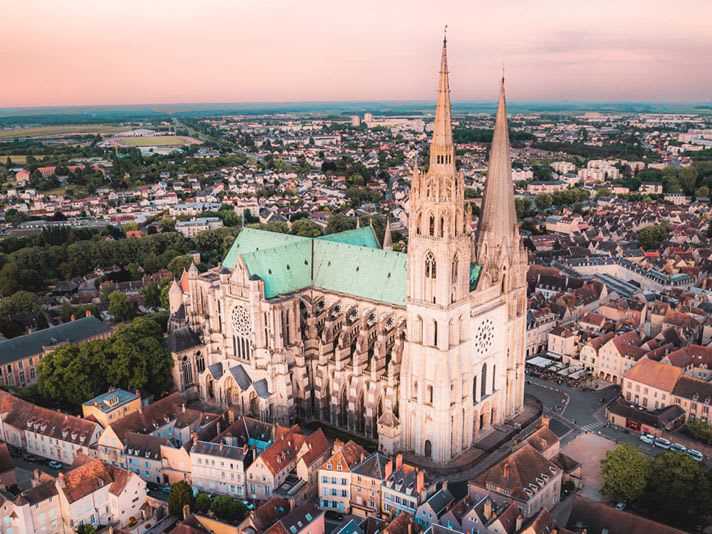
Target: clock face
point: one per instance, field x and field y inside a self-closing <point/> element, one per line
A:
<point x="241" y="321"/>
<point x="484" y="336"/>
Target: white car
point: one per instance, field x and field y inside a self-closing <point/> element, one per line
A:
<point x="662" y="443"/>
<point x="647" y="438"/>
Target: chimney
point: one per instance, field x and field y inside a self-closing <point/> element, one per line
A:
<point x="60" y="479"/>
<point x="138" y="393"/>
<point x="35" y="478"/>
<point x="519" y="522"/>
<point x="444" y="485"/>
<point x="72" y="317"/>
<point x="420" y="480"/>
<point x="487" y="510"/>
<point x="87" y="313"/>
<point x="194" y="437"/>
<point x="218" y="427"/>
<point x="505" y="470"/>
<point x="186" y="512"/>
<point x="388" y="470"/>
<point x="399" y="460"/>
<point x="410" y="527"/>
<point x="182" y="409"/>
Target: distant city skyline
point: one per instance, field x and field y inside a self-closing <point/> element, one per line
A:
<point x="81" y="52"/>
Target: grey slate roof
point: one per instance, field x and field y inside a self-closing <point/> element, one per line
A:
<point x="216" y="370"/>
<point x="21" y="347"/>
<point x="183" y="338"/>
<point x="262" y="389"/>
<point x="241" y="377"/>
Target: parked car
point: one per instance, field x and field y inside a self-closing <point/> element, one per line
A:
<point x="647" y="438"/>
<point x="249" y="505"/>
<point x="662" y="443"/>
<point x="620" y="506"/>
<point x="31" y="458"/>
<point x="166" y="489"/>
<point x="333" y="515"/>
<point x="695" y="455"/>
<point x="678" y="448"/>
<point x="56" y="465"/>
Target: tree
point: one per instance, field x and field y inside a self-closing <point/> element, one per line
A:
<point x="151" y="294"/>
<point x="702" y="192"/>
<point x="228" y="509"/>
<point x="603" y="192"/>
<point x="305" y="228"/>
<point x="138" y="357"/>
<point x="699" y="430"/>
<point x="543" y="201"/>
<point x="625" y="473"/>
<point x="120" y="306"/>
<point x="651" y="237"/>
<point x="179" y="264"/>
<point x="522" y="207"/>
<point x="180" y="495"/>
<point x="339" y="223"/>
<point x="678" y="485"/>
<point x="86" y="529"/>
<point x="202" y="503"/>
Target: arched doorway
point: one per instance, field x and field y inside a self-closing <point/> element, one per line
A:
<point x="428" y="449"/>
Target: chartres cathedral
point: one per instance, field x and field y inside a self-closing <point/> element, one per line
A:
<point x="422" y="351"/>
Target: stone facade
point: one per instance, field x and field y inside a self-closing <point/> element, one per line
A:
<point x="423" y="351"/>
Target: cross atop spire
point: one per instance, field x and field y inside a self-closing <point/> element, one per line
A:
<point x="445" y="36"/>
<point x="442" y="152"/>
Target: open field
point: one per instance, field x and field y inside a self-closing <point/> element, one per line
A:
<point x="155" y="140"/>
<point x="19" y="159"/>
<point x="69" y="129"/>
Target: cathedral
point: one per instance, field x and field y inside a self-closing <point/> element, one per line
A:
<point x="422" y="351"/>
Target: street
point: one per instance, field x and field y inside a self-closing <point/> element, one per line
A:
<point x="573" y="411"/>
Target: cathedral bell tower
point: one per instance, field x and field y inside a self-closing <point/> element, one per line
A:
<point x="439" y="255"/>
<point x="502" y="256"/>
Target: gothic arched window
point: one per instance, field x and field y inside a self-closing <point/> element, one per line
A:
<point x="419" y="223"/>
<point x="442" y="226"/>
<point x="414" y="394"/>
<point x="455" y="261"/>
<point x="187" y="372"/>
<point x="432" y="225"/>
<point x="430" y="394"/>
<point x="435" y="333"/>
<point x="474" y="390"/>
<point x="200" y="362"/>
<point x="430" y="266"/>
<point x="483" y="384"/>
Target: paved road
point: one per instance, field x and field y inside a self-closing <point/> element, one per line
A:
<point x="573" y="411"/>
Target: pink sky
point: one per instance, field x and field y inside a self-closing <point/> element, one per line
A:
<point x="74" y="52"/>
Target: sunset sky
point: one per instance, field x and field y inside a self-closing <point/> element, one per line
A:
<point x="74" y="52"/>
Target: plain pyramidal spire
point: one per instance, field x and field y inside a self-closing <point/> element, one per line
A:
<point x="498" y="219"/>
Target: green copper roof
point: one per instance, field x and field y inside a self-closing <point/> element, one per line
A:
<point x="250" y="240"/>
<point x="349" y="262"/>
<point x="474" y="275"/>
<point x="370" y="273"/>
<point x="360" y="237"/>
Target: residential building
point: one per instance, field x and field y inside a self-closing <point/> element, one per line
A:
<point x="111" y="406"/>
<point x="366" y="480"/>
<point x="335" y="476"/>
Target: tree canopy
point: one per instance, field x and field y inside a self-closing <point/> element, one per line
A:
<point x="625" y="473"/>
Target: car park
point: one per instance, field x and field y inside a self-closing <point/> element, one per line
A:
<point x="695" y="455"/>
<point x="662" y="443"/>
<point x="647" y="438"/>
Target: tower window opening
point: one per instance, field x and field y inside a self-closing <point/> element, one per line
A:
<point x="432" y="225"/>
<point x="430" y="266"/>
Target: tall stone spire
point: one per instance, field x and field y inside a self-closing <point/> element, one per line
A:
<point x="442" y="151"/>
<point x="387" y="240"/>
<point x="497" y="224"/>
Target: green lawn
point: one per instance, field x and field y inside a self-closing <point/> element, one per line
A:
<point x="156" y="140"/>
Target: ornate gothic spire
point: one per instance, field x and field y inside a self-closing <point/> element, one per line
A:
<point x="442" y="151"/>
<point x="497" y="225"/>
